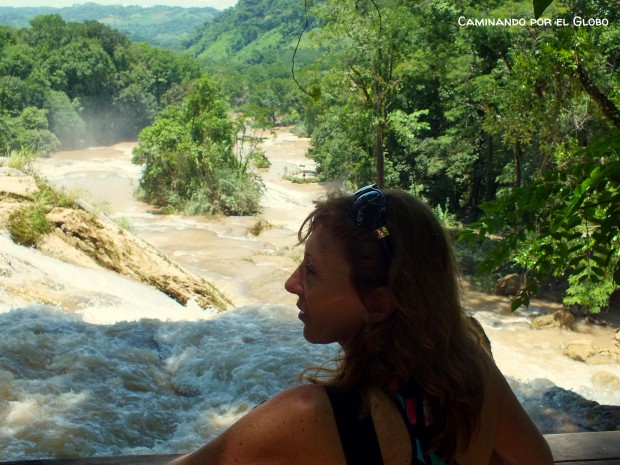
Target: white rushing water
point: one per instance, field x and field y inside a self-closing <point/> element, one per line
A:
<point x="71" y="388"/>
<point x="107" y="381"/>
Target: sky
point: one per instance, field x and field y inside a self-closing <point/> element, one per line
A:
<point x="219" y="4"/>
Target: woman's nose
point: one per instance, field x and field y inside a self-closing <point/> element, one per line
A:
<point x="293" y="283"/>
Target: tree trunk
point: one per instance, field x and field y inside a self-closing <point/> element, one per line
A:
<point x="517" y="157"/>
<point x="488" y="193"/>
<point x="379" y="162"/>
<point x="608" y="108"/>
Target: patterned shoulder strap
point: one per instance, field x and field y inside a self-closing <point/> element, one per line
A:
<point x="416" y="412"/>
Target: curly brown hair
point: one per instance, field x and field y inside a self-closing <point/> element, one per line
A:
<point x="428" y="338"/>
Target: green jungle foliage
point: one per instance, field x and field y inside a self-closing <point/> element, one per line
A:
<point x="250" y="50"/>
<point x="508" y="126"/>
<point x="29" y="224"/>
<point x="512" y="127"/>
<point x="161" y="26"/>
<point x="565" y="223"/>
<point x="67" y="85"/>
<point x="189" y="160"/>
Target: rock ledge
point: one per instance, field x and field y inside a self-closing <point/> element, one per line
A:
<point x="93" y="240"/>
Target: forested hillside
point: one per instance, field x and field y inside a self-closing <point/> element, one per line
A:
<point x="479" y="107"/>
<point x="66" y="84"/>
<point x="162" y="26"/>
<point x="250" y="48"/>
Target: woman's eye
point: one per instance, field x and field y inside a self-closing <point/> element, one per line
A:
<point x="309" y="269"/>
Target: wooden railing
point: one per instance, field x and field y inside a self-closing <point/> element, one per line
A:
<point x="600" y="448"/>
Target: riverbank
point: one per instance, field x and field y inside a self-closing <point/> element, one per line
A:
<point x="247" y="267"/>
<point x="80" y="235"/>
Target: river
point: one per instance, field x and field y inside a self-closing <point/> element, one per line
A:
<point x="129" y="371"/>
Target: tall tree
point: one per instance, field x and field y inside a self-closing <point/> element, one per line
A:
<point x="370" y="39"/>
<point x="558" y="103"/>
<point x="189" y="159"/>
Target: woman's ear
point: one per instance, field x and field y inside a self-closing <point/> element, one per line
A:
<point x="380" y="304"/>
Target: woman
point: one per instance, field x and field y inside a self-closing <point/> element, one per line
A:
<point x="413" y="384"/>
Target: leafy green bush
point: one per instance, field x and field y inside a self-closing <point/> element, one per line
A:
<point x="239" y="194"/>
<point x="587" y="290"/>
<point x="189" y="163"/>
<point x="563" y="225"/>
<point x="260" y="160"/>
<point x="27" y="225"/>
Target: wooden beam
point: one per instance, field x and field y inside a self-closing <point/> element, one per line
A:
<point x="599" y="448"/>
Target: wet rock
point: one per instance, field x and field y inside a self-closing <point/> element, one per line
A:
<point x="508" y="285"/>
<point x="16" y="183"/>
<point x="81" y="238"/>
<point x="584" y="351"/>
<point x="16" y="190"/>
<point x="6" y="268"/>
<point x="92" y="240"/>
<point x="561" y="319"/>
<point x="606" y="380"/>
<point x="586" y="415"/>
<point x="595" y="321"/>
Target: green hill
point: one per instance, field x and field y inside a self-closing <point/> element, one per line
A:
<point x="254" y="31"/>
<point x="162" y="26"/>
<point x="251" y="47"/>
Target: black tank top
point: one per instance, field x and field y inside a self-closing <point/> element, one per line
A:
<point x="357" y="431"/>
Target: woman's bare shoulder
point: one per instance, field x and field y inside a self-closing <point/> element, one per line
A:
<point x="295" y="426"/>
<point x="304" y="396"/>
<point x="296" y="405"/>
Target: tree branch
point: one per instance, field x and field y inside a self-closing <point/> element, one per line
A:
<point x="609" y="109"/>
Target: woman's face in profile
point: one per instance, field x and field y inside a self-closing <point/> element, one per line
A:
<point x="329" y="307"/>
